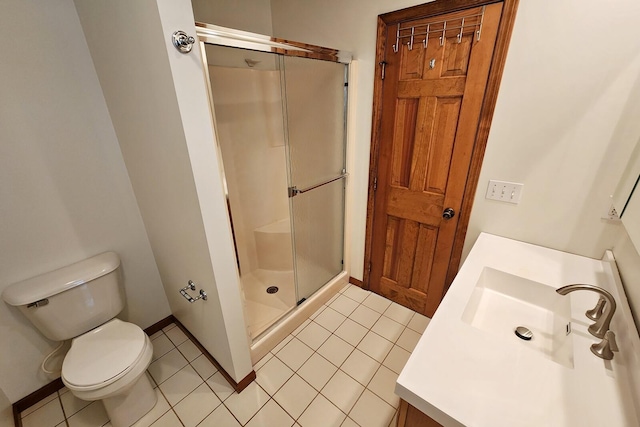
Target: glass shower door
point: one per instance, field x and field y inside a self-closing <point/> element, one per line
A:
<point x="314" y="96"/>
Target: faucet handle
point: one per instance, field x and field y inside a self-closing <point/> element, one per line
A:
<point x="596" y="312"/>
<point x="605" y="348"/>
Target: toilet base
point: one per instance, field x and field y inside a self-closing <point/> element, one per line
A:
<point x="126" y="408"/>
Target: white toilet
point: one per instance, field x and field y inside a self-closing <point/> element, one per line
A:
<point x="108" y="357"/>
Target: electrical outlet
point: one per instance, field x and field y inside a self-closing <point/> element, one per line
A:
<point x="503" y="191"/>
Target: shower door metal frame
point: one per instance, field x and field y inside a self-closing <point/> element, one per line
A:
<point x="228" y="37"/>
<point x="222" y="36"/>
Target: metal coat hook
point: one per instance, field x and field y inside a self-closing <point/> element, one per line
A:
<point x="182" y="41"/>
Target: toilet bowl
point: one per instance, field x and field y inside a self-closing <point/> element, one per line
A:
<point x="109" y="363"/>
<point x="108" y="357"/>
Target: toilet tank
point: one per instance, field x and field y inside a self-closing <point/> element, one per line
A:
<point x="72" y="300"/>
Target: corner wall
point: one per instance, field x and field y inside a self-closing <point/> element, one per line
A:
<point x="65" y="194"/>
<point x="158" y="104"/>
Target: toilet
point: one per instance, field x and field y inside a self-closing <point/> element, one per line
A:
<point x="108" y="357"/>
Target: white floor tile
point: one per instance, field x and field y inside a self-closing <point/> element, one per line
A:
<point x="365" y="316"/>
<point x="180" y="385"/>
<point x="313" y="335"/>
<point x="47" y="415"/>
<point x="348" y="422"/>
<point x="294" y="354"/>
<point x="43" y="402"/>
<point x="383" y="385"/>
<point x="344" y="305"/>
<point x="176" y="336"/>
<point x="156" y="335"/>
<point x="169" y="419"/>
<point x="295" y="396"/>
<point x="376" y="302"/>
<point x="321" y="413"/>
<point x="282" y="343"/>
<point x="408" y="339"/>
<point x="220" y="386"/>
<point x="317" y="371"/>
<point x="356" y="293"/>
<point x="197" y="406"/>
<point x="371" y="411"/>
<point x="271" y="415"/>
<point x="204" y="367"/>
<point x="162" y="406"/>
<point x="351" y="332"/>
<point x="245" y="405"/>
<point x="330" y="319"/>
<point x="189" y="350"/>
<point x="343" y="391"/>
<point x="273" y="375"/>
<point x="335" y="350"/>
<point x="362" y="387"/>
<point x="168" y="327"/>
<point x="398" y="313"/>
<point x="72" y="404"/>
<point x="333" y="298"/>
<point x="167" y="365"/>
<point x="345" y="287"/>
<point x="419" y="323"/>
<point x="221" y="417"/>
<point x="388" y="329"/>
<point x="374" y="346"/>
<point x="396" y="359"/>
<point x="161" y="346"/>
<point x="360" y="367"/>
<point x="92" y="415"/>
<point x="301" y="327"/>
<point x="394" y="420"/>
<point x="317" y="312"/>
<point x="260" y="363"/>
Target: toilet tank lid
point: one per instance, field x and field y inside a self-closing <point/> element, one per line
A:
<point x="60" y="280"/>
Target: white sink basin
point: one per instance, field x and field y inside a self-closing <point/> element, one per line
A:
<point x="501" y="302"/>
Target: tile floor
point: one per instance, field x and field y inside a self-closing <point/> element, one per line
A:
<point x="337" y="369"/>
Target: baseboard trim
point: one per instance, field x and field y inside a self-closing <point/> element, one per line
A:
<point x="237" y="386"/>
<point x="159" y="325"/>
<point x="356" y="282"/>
<point x="33" y="398"/>
<point x="57" y="384"/>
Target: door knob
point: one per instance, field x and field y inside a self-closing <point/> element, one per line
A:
<point x="448" y="213"/>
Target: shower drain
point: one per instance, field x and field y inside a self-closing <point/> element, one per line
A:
<point x="272" y="289"/>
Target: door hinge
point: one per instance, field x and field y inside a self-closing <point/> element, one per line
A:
<point x="375" y="183"/>
<point x="369" y="268"/>
<point x="382" y="64"/>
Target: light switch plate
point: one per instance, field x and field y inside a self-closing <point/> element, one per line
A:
<point x="504" y="191"/>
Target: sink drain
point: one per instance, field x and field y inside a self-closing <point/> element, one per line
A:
<point x="523" y="333"/>
<point x="272" y="289"/>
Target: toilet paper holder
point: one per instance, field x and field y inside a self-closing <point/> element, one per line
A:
<point x="192" y="286"/>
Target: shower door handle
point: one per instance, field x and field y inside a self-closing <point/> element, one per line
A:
<point x="294" y="191"/>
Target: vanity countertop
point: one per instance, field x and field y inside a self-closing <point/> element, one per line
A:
<point x="460" y="375"/>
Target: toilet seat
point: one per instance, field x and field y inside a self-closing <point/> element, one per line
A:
<point x="103" y="355"/>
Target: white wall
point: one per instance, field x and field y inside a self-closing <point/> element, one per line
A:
<point x="558" y="124"/>
<point x="563" y="89"/>
<point x="247" y="15"/>
<point x="64" y="190"/>
<point x="158" y="104"/>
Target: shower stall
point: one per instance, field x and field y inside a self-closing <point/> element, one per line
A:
<point x="279" y="112"/>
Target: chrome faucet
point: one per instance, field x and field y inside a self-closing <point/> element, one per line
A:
<point x="602" y="314"/>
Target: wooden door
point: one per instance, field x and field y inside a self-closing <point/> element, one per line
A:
<point x="432" y="96"/>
